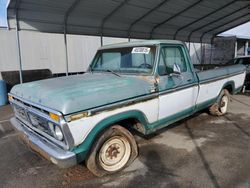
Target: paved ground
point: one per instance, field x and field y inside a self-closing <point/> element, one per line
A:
<point x="201" y="151"/>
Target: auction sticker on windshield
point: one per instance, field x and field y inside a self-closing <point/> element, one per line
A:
<point x="140" y="50"/>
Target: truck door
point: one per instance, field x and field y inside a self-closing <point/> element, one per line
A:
<point x="177" y="84"/>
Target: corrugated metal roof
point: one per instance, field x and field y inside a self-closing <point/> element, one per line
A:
<point x="189" y="20"/>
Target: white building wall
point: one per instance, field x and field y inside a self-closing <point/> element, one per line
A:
<point x="8" y="51"/>
<point x="38" y="51"/>
<point x="42" y="50"/>
<point x="81" y="50"/>
<point x="46" y="51"/>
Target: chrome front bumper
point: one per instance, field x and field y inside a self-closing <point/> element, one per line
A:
<point x="51" y="152"/>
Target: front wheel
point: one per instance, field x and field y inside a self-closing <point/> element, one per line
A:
<point x="114" y="150"/>
<point x="220" y="108"/>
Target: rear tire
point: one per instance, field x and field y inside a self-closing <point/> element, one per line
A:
<point x="113" y="151"/>
<point x="221" y="106"/>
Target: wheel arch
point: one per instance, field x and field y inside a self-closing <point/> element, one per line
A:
<point x="230" y="86"/>
<point x="83" y="149"/>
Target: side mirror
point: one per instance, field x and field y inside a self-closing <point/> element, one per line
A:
<point x="176" y="69"/>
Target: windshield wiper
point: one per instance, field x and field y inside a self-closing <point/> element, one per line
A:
<point x="108" y="70"/>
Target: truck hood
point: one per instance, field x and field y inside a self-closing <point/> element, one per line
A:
<point x="81" y="92"/>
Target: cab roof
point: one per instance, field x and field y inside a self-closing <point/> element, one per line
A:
<point x="140" y="43"/>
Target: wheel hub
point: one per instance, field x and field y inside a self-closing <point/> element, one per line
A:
<point x="114" y="153"/>
<point x="224" y="104"/>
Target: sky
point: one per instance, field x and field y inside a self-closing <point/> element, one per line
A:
<point x="3" y="15"/>
<point x="242" y="30"/>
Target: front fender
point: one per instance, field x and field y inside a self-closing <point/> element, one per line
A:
<point x="83" y="149"/>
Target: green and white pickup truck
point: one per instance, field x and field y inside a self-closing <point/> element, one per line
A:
<point x="143" y="85"/>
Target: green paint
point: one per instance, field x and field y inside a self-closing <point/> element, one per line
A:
<point x="209" y="75"/>
<point x="82" y="92"/>
<point x="205" y="104"/>
<point x="168" y="120"/>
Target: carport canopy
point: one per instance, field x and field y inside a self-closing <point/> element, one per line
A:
<point x="189" y="20"/>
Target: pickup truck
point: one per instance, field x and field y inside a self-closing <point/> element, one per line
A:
<point x="141" y="86"/>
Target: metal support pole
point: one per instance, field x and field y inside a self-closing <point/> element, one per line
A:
<point x="101" y="40"/>
<point x="211" y="53"/>
<point x="19" y="50"/>
<point x="204" y="53"/>
<point x="201" y="54"/>
<point x="235" y="48"/>
<point x="246" y="47"/>
<point x="66" y="51"/>
<point x="66" y="16"/>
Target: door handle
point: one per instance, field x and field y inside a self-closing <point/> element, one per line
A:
<point x="189" y="80"/>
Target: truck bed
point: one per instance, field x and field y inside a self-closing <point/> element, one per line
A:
<point x="204" y="67"/>
<point x="219" y="72"/>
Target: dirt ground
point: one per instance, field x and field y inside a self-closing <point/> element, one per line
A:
<point x="200" y="151"/>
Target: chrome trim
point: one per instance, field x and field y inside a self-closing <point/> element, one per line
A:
<point x="34" y="111"/>
<point x="167" y="91"/>
<point x="67" y="134"/>
<point x="118" y="104"/>
<point x="124" y="103"/>
<point x="67" y="143"/>
<point x="56" y="155"/>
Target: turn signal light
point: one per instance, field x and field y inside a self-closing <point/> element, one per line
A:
<point x="54" y="117"/>
<point x="10" y="98"/>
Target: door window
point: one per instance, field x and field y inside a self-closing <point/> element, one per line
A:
<point x="168" y="57"/>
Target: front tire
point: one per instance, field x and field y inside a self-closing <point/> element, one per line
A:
<point x="220" y="108"/>
<point x="114" y="150"/>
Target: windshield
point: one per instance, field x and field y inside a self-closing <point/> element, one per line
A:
<point x="125" y="60"/>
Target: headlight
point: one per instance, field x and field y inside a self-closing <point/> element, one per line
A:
<point x="58" y="133"/>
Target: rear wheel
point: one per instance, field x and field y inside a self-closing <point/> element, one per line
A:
<point x="114" y="150"/>
<point x="220" y="108"/>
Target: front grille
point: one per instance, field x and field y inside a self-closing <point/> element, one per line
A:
<point x="34" y="121"/>
<point x="38" y="120"/>
<point x="20" y="113"/>
<point x="40" y="123"/>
